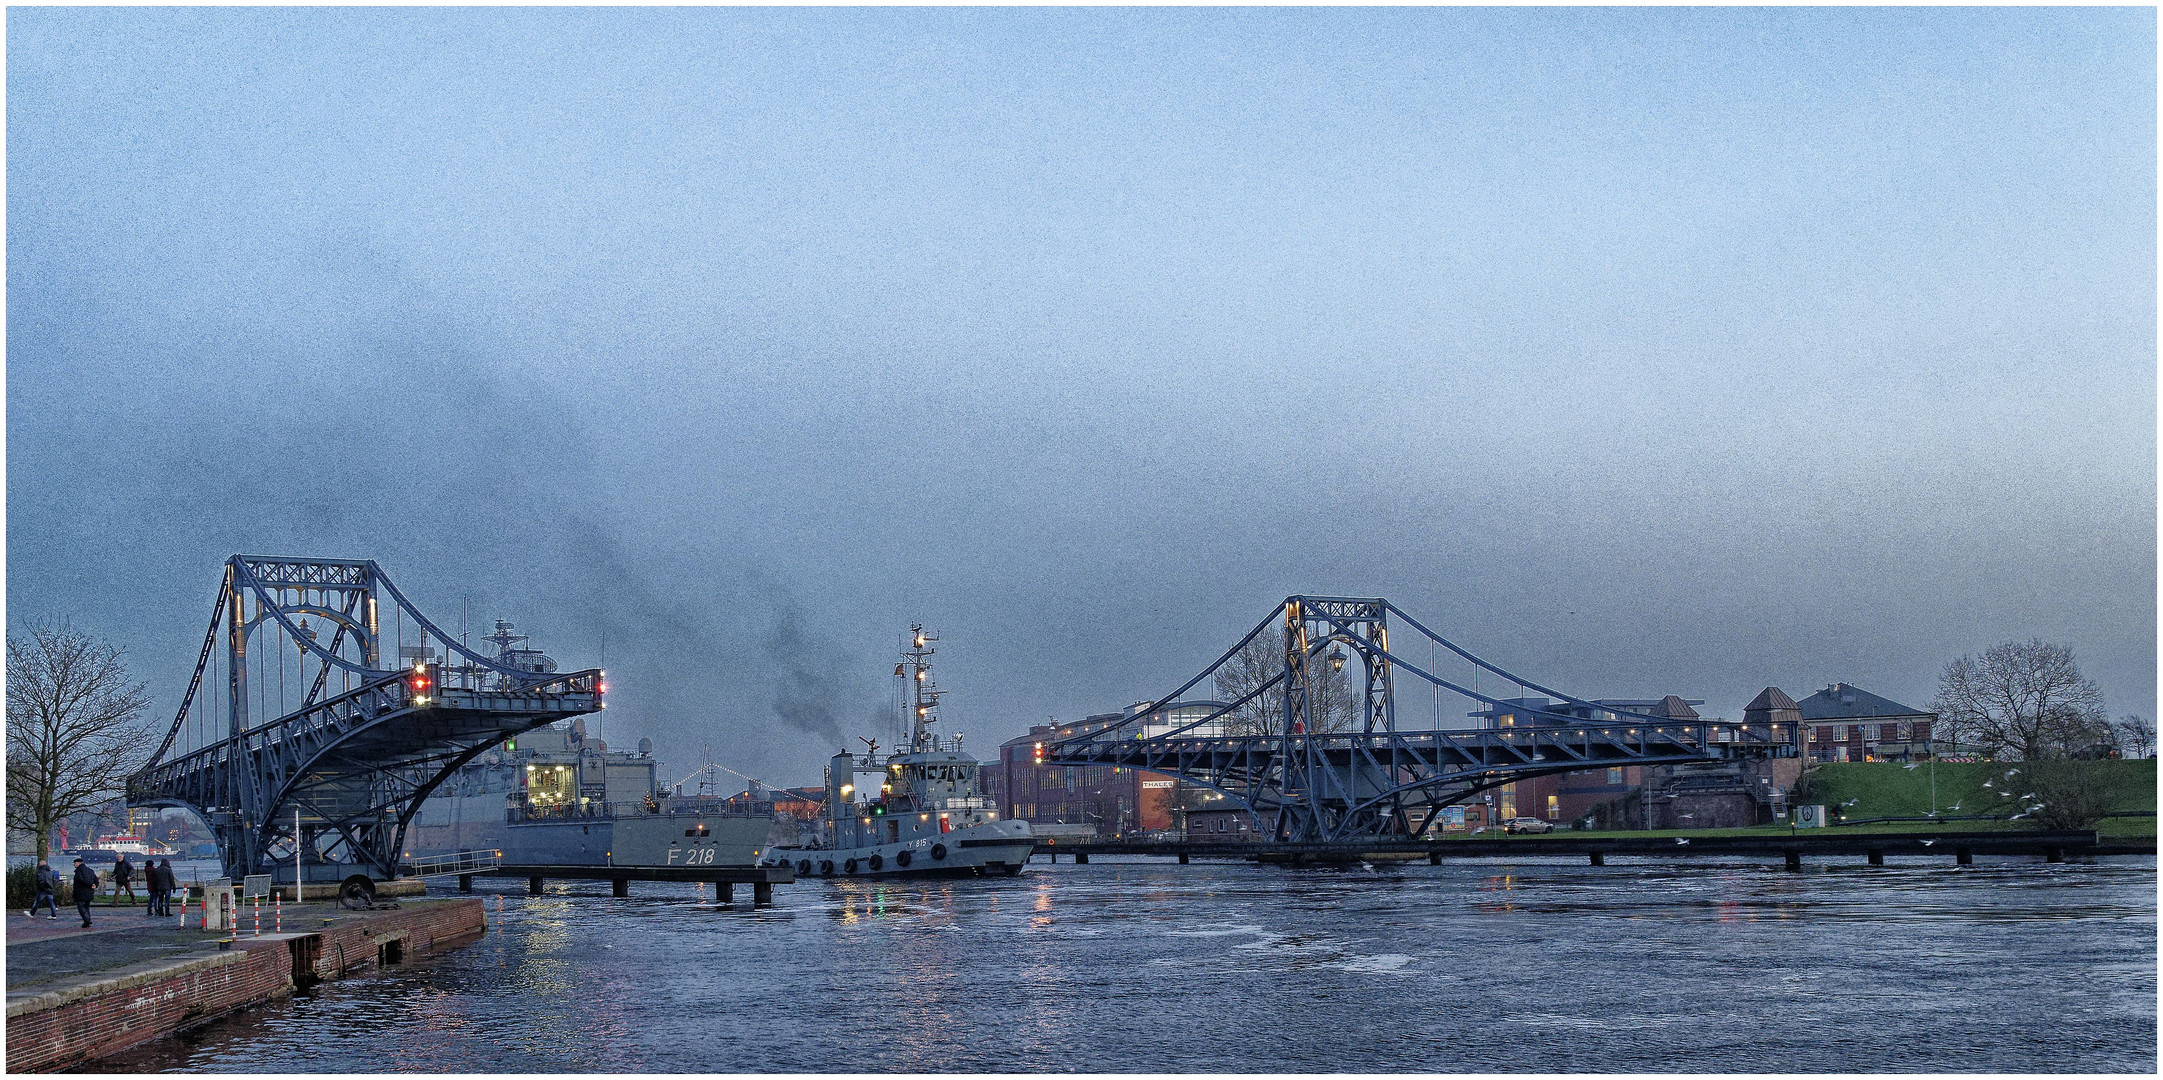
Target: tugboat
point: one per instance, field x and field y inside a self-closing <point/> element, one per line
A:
<point x="929" y="818"/>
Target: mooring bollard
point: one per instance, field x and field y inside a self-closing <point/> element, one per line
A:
<point x="183" y="908"/>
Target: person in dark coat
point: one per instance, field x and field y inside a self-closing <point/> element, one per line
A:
<point x="48" y="884"/>
<point x="172" y="885"/>
<point x="153" y="888"/>
<point x="86" y="886"/>
<point x="123" y="878"/>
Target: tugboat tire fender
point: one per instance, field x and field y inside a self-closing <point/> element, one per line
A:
<point x="938" y="851"/>
<point x="904" y="857"/>
<point x="804" y="868"/>
<point x="878" y="862"/>
<point x="849" y="867"/>
<point x="826" y="868"/>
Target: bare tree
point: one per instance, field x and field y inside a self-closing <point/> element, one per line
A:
<point x="73" y="726"/>
<point x="1334" y="705"/>
<point x="2135" y="735"/>
<point x="2029" y="699"/>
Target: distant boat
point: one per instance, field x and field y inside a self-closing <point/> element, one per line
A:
<point x="131" y="844"/>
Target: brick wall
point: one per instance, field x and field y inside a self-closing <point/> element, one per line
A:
<point x="111" y="1015"/>
<point x="354" y="944"/>
<point x="94" y="1019"/>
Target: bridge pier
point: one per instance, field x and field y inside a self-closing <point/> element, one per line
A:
<point x="1794" y="859"/>
<point x="1182" y="858"/>
<point x="533" y="886"/>
<point x="1877" y="857"/>
<point x="1598" y="858"/>
<point x="465" y="883"/>
<point x="762" y="894"/>
<point x="1963" y="857"/>
<point x="620" y="888"/>
<point x="724" y="892"/>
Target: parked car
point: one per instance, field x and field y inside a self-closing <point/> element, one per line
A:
<point x="1527" y="824"/>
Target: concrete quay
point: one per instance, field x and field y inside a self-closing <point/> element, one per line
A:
<point x="76" y="995"/>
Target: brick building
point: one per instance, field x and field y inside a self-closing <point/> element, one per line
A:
<point x="1845" y="723"/>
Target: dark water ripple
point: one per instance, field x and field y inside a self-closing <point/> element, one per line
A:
<point x="1491" y="966"/>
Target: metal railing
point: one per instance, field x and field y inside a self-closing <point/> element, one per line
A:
<point x="457" y="862"/>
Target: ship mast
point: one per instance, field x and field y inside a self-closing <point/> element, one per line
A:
<point x="923" y="693"/>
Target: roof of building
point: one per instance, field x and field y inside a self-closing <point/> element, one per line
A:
<point x="1770" y="699"/>
<point x="1674" y="708"/>
<point x="1843" y="702"/>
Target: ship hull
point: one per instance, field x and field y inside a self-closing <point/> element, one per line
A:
<point x="994" y="848"/>
<point x="659" y="840"/>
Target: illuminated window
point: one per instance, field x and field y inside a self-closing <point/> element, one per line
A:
<point x="1554" y="808"/>
<point x="1614" y="777"/>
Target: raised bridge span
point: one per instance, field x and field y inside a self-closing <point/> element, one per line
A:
<point x="331" y="765"/>
<point x="1320" y="757"/>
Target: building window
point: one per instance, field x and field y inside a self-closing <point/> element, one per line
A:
<point x="1554" y="808"/>
<point x="1614" y="777"/>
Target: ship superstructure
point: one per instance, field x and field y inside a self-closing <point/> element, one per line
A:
<point x="927" y="814"/>
<point x="558" y="796"/>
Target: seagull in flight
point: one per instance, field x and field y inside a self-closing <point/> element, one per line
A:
<point x="2029" y="795"/>
<point x="2016" y="817"/>
<point x="2011" y="773"/>
<point x="1956" y="806"/>
<point x="2037" y="806"/>
<point x="1913" y="765"/>
<point x="1986" y="783"/>
<point x="1927" y="843"/>
<point x="1853" y="801"/>
<point x="1933" y="813"/>
<point x="1682" y="840"/>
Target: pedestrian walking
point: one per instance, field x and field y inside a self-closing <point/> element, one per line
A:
<point x="123" y="878"/>
<point x="171" y="883"/>
<point x="48" y="884"/>
<point x="86" y="887"/>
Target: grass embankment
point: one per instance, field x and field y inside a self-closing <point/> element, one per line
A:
<point x="1885" y="789"/>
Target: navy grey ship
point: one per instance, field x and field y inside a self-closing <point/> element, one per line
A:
<point x="929" y="816"/>
<point x="556" y="797"/>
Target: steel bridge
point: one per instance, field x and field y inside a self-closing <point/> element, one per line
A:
<point x="334" y="769"/>
<point x="1319" y="760"/>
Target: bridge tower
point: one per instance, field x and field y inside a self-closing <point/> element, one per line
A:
<point x="331" y="766"/>
<point x="1321" y="777"/>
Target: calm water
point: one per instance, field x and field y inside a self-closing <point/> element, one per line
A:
<point x="1683" y="965"/>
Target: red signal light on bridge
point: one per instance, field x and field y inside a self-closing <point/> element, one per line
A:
<point x="419" y="683"/>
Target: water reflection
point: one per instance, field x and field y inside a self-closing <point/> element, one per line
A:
<point x="1649" y="966"/>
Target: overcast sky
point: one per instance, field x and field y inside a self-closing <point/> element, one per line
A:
<point x="1642" y="351"/>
